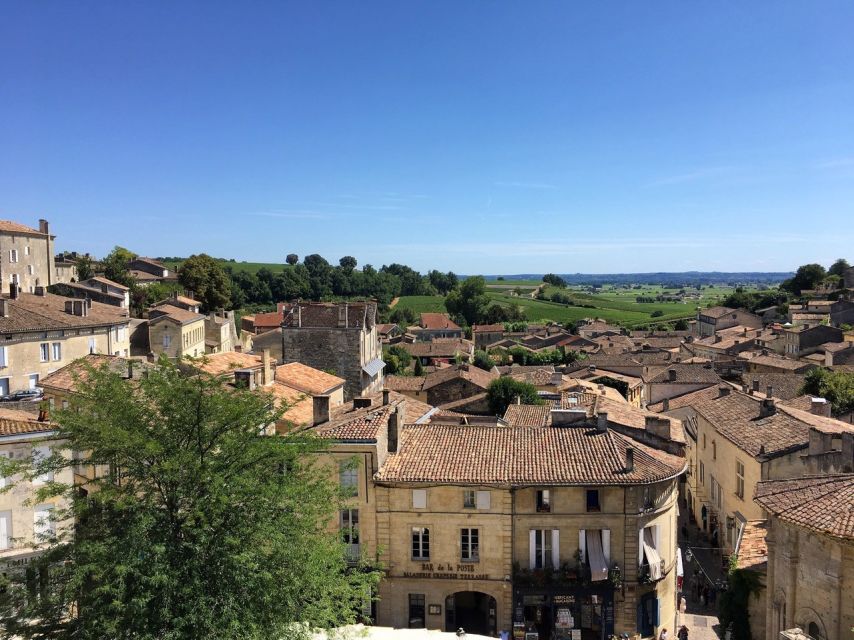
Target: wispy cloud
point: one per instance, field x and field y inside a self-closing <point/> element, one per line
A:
<point x="525" y="185"/>
<point x="363" y="207"/>
<point x="296" y="215"/>
<point x="692" y="176"/>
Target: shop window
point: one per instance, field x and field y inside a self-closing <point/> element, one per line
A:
<point x="417" y="609"/>
<point x="470" y="545"/>
<point x="544" y="502"/>
<point x="593" y="500"/>
<point x="469" y="500"/>
<point x="420" y="543"/>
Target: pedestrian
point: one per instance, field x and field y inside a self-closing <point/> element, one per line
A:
<point x="504" y="635"/>
<point x="683" y="604"/>
<point x="461" y="633"/>
<point x="715" y="539"/>
<point x="683" y="633"/>
<point x="663" y="635"/>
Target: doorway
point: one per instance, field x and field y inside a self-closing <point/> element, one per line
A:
<point x="473" y="611"/>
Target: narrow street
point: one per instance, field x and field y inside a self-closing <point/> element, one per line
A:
<point x="704" y="575"/>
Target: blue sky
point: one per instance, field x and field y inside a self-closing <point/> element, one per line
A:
<point x="483" y="137"/>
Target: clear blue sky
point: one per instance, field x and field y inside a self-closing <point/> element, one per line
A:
<point x="477" y="136"/>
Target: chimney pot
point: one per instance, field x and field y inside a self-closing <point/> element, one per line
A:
<point x="769" y="392"/>
<point x="768" y="407"/>
<point x="666" y="404"/>
<point x="268" y="369"/>
<point x="44" y="226"/>
<point x="671" y="374"/>
<point x="602" y="422"/>
<point x="723" y="390"/>
<point x="386" y="395"/>
<point x="630" y="459"/>
<point x="320" y="406"/>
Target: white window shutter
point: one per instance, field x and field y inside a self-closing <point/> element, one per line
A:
<point x="606" y="545"/>
<point x="532" y="548"/>
<point x="640" y="547"/>
<point x="582" y="544"/>
<point x="483" y="500"/>
<point x="419" y="498"/>
<point x="4" y="530"/>
<point x="2" y="356"/>
<point x="556" y="548"/>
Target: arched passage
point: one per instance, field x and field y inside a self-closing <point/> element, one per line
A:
<point x="474" y="611"/>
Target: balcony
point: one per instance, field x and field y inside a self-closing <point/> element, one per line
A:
<point x="645" y="575"/>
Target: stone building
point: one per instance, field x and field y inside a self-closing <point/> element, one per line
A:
<point x="543" y="530"/>
<point x="457" y="382"/>
<point x="340" y="338"/>
<point x="26" y="256"/>
<point x="98" y="288"/>
<point x="176" y="332"/>
<point x="435" y="325"/>
<point x="713" y="319"/>
<point x="43" y="332"/>
<point x="810" y="574"/>
<point x="24" y="523"/>
<point x="848" y="278"/>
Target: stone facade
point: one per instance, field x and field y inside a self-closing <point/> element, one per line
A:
<point x="340" y="338"/>
<point x="176" y="339"/>
<point x="26" y="256"/>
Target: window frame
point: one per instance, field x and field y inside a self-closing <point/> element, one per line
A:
<point x="543" y="501"/>
<point x="469" y="499"/>
<point x="423" y="543"/>
<point x="470" y="544"/>
<point x="739" y="479"/>
<point x="44" y="352"/>
<point x="595" y="508"/>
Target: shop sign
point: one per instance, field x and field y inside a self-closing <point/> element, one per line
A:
<point x="446" y="571"/>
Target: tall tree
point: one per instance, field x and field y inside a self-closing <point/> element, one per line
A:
<point x="206" y="528"/>
<point x="806" y="277"/>
<point x="348" y="263"/>
<point x="84" y="268"/>
<point x="469" y="300"/>
<point x="839" y="267"/>
<point x="116" y="265"/>
<point x="503" y="391"/>
<point x="292" y="259"/>
<point x="208" y="281"/>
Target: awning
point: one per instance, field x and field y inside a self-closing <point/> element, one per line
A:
<point x="374" y="367"/>
<point x="652" y="557"/>
<point x="598" y="564"/>
<point x="679" y="571"/>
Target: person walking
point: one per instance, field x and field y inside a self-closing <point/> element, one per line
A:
<point x="663" y="635"/>
<point x="683" y="633"/>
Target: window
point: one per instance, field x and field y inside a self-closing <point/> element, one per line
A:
<point x="5" y="529"/>
<point x="43" y="522"/>
<point x="13" y="255"/>
<point x="469" y="545"/>
<point x="350" y="532"/>
<point x="40" y="454"/>
<point x="469" y="499"/>
<point x="419" y="498"/>
<point x="544" y="504"/>
<point x="3" y="455"/>
<point x="739" y="479"/>
<point x="120" y="334"/>
<point x="420" y="543"/>
<point x="349" y="479"/>
<point x="167" y="340"/>
<point x="33" y="380"/>
<point x="702" y="473"/>
<point x="704" y="441"/>
<point x="57" y="351"/>
<point x="27" y="250"/>
<point x="544" y="548"/>
<point x="593" y="500"/>
<point x="92" y="345"/>
<point x="417" y="609"/>
<point x="4" y="357"/>
<point x="4" y="386"/>
<point x="30" y="269"/>
<point x="714" y="450"/>
<point x="44" y="352"/>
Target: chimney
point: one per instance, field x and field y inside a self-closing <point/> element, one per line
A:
<point x="769" y="392"/>
<point x="362" y="402"/>
<point x="723" y="391"/>
<point x="666" y="404"/>
<point x="601" y="388"/>
<point x="44" y="226"/>
<point x="718" y="338"/>
<point x="755" y="385"/>
<point x="745" y="331"/>
<point x="321" y="409"/>
<point x="671" y="375"/>
<point x="767" y="408"/>
<point x="386" y="395"/>
<point x="820" y="407"/>
<point x="517" y="399"/>
<point x="659" y="427"/>
<point x="395" y="421"/>
<point x="266" y="366"/>
<point x="13" y="291"/>
<point x="4" y="308"/>
<point x="630" y="459"/>
<point x="591" y="368"/>
<point x="602" y="422"/>
<point x="244" y="378"/>
<point x="44" y="416"/>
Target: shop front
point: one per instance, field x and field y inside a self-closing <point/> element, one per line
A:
<point x="564" y="613"/>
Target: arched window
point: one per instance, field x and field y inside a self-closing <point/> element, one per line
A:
<point x="814" y="631"/>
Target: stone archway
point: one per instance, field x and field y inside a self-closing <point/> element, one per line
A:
<point x="474" y="611"/>
<point x="809" y="620"/>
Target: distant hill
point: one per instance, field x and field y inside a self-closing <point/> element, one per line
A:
<point x="669" y="279"/>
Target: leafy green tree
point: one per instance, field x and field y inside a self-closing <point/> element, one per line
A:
<point x="348" y="263"/>
<point x="554" y="280"/>
<point x="418" y="368"/>
<point x="469" y="300"/>
<point x="292" y="259"/>
<point x="84" y="268"/>
<point x="503" y="391"/>
<point x="839" y="267"/>
<point x="206" y="278"/>
<point x="397" y="359"/>
<point x="681" y="325"/>
<point x="482" y="360"/>
<point x="806" y="277"/>
<point x="442" y="282"/>
<point x="837" y="387"/>
<point x="117" y="264"/>
<point x="204" y="528"/>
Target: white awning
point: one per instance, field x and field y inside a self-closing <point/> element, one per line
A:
<point x="374" y="367"/>
<point x="596" y="556"/>
<point x="652" y="557"/>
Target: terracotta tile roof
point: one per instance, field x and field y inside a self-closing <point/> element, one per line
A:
<point x="716" y="312"/>
<point x="218" y="364"/>
<point x="528" y="415"/>
<point x="107" y="281"/>
<point x="308" y="379"/>
<point x="471" y="404"/>
<point x="753" y="549"/>
<point x="143" y="275"/>
<point x="586" y="386"/>
<point x="624" y="414"/>
<point x="357" y="424"/>
<point x="821" y="423"/>
<point x="272" y="319"/>
<point x="517" y="456"/>
<point x="822" y="504"/>
<point x="774" y="361"/>
<point x="736" y="417"/>
<point x="439" y="348"/>
<point x="10" y="226"/>
<point x="188" y="301"/>
<point x="690" y="399"/>
<point x="14" y="422"/>
<point x="385" y="327"/>
<point x="487" y="328"/>
<point x="74" y="373"/>
<point x="801" y="402"/>
<point x="438" y="321"/>
<point x="30" y="312"/>
<point x="151" y="261"/>
<point x="686" y="374"/>
<point x="404" y="383"/>
<point x="786" y="385"/>
<point x="538" y="377"/>
<point x="182" y="316"/>
<point x="522" y="368"/>
<point x="300" y="411"/>
<point x="475" y="375"/>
